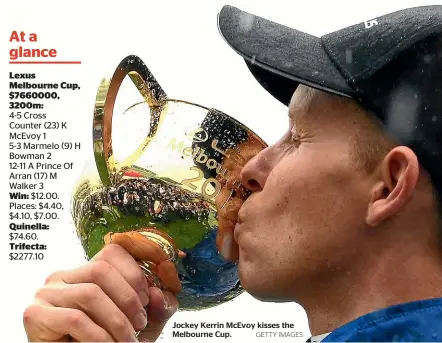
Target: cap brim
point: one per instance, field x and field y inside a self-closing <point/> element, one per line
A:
<point x="279" y="57"/>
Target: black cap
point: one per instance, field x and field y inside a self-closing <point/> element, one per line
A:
<point x="391" y="65"/>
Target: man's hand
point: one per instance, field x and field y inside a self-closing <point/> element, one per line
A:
<point x="106" y="300"/>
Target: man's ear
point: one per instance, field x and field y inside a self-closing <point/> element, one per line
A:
<point x="399" y="173"/>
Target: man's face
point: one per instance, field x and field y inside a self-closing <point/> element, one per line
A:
<point x="300" y="225"/>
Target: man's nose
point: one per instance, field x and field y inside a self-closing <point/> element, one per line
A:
<point x="254" y="174"/>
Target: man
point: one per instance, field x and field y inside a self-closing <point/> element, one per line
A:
<point x="345" y="212"/>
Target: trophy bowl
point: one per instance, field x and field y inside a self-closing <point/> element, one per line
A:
<point x="170" y="188"/>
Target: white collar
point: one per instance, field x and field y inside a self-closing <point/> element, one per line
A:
<point x="319" y="338"/>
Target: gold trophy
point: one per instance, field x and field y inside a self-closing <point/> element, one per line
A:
<point x="170" y="188"/>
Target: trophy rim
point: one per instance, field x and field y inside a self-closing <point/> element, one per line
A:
<point x="134" y="67"/>
<point x="151" y="91"/>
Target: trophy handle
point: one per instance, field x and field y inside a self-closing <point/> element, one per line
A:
<point x="108" y="168"/>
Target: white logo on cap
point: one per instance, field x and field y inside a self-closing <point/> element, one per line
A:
<point x="370" y="23"/>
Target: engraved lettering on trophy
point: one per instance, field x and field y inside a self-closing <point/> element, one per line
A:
<point x="211" y="164"/>
<point x="187" y="151"/>
<point x="202" y="157"/>
<point x="214" y="146"/>
<point x="215" y="192"/>
<point x="173" y="144"/>
<point x="210" y="181"/>
<point x="195" y="152"/>
<point x="188" y="183"/>
<point x="229" y="153"/>
<point x="193" y="135"/>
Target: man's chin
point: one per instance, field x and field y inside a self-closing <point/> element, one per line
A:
<point x="271" y="298"/>
<point x="261" y="289"/>
<point x="268" y="296"/>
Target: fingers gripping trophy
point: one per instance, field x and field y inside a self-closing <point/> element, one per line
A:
<point x="173" y="201"/>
